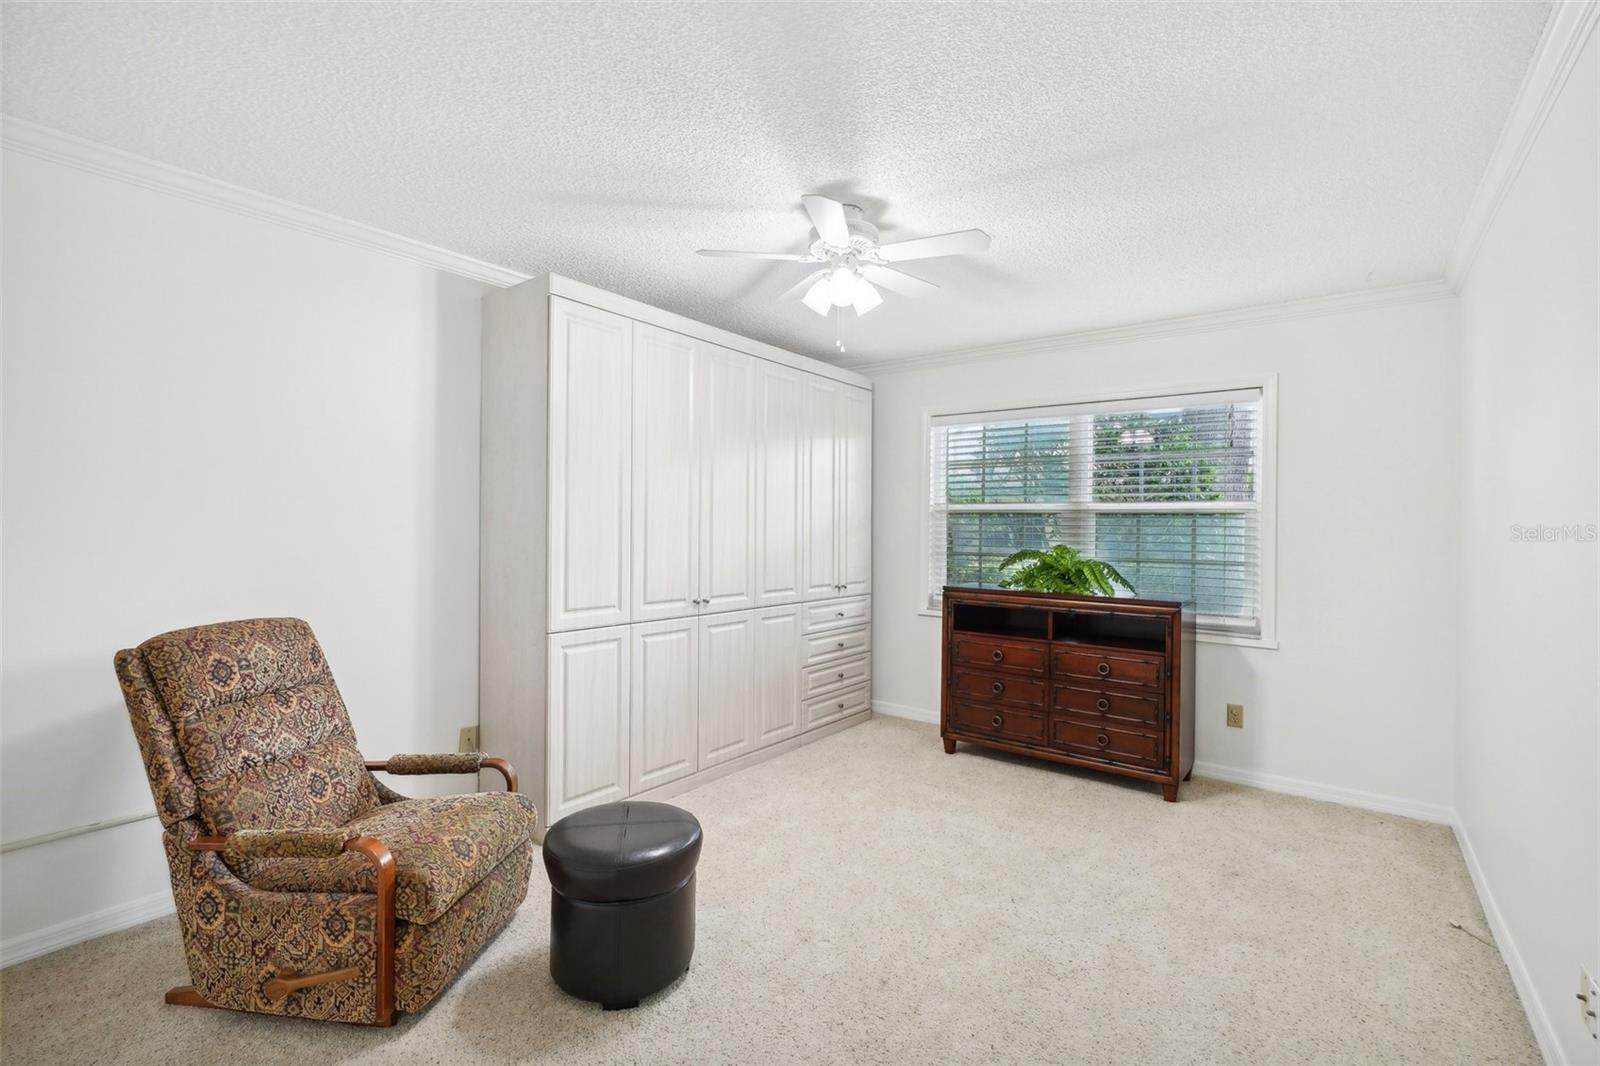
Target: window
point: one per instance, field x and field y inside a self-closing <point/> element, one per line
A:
<point x="1167" y="489"/>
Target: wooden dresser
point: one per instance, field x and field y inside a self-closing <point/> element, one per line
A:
<point x="1106" y="684"/>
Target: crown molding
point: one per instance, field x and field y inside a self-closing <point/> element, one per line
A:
<point x="1557" y="53"/>
<point x="1208" y="322"/>
<point x="42" y="142"/>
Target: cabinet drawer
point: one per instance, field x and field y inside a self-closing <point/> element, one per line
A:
<point x="1109" y="703"/>
<point x="837" y="614"/>
<point x="824" y="646"/>
<point x="992" y="653"/>
<point x="994" y="720"/>
<point x="826" y="677"/>
<point x="824" y="709"/>
<point x="1098" y="740"/>
<point x="1127" y="668"/>
<point x="991" y="686"/>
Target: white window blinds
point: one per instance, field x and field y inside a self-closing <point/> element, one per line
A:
<point x="1166" y="489"/>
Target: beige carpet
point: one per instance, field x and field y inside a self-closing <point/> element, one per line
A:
<point x="870" y="899"/>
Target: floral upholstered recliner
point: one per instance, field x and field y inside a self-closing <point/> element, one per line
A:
<point x="303" y="885"/>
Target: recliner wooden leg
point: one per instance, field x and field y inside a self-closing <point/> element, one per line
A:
<point x="186" y="996"/>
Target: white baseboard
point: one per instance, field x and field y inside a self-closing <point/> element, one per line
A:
<point x="1521" y="978"/>
<point x="76" y="930"/>
<point x="1349" y="797"/>
<point x="900" y="710"/>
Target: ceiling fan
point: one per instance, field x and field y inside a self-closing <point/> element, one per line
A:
<point x="851" y="261"/>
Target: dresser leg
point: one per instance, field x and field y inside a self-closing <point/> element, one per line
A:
<point x="1189" y="774"/>
<point x="949" y="746"/>
<point x="1169" y="793"/>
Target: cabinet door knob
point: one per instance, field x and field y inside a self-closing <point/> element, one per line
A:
<point x="1102" y="740"/>
<point x="998" y="655"/>
<point x="997" y="720"/>
<point x="998" y="688"/>
<point x="1102" y="704"/>
<point x="1103" y="669"/>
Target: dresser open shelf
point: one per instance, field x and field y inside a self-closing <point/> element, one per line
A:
<point x="1106" y="684"/>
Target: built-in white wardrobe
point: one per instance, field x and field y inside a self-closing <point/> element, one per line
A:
<point x="676" y="546"/>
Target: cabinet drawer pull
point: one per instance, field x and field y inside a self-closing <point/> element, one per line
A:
<point x="841" y="674"/>
<point x="841" y="644"/>
<point x="1102" y="704"/>
<point x="841" y="706"/>
<point x="997" y="720"/>
<point x="1102" y="740"/>
<point x="998" y="688"/>
<point x="998" y="656"/>
<point x="1103" y="669"/>
<point x="839" y="614"/>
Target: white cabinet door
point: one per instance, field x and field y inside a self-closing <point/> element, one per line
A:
<point x="727" y="480"/>
<point x="588" y="719"/>
<point x="855" y="491"/>
<point x="666" y="474"/>
<point x="726" y="672"/>
<point x="664" y="744"/>
<point x="780" y="470"/>
<point x="821" y="489"/>
<point x="777" y="674"/>
<point x="591" y="378"/>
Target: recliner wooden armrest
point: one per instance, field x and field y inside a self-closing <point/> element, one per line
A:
<point x="457" y="762"/>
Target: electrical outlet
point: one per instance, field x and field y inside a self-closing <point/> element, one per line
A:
<point x="1236" y="715"/>
<point x="1588" y="1001"/>
<point x="469" y="739"/>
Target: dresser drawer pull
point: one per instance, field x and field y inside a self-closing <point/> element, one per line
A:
<point x="998" y="656"/>
<point x="998" y="688"/>
<point x="997" y="720"/>
<point x="1101" y="704"/>
<point x="1103" y="669"/>
<point x="1102" y="740"/>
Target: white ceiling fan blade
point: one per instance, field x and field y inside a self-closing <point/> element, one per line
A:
<point x="786" y="257"/>
<point x="895" y="281"/>
<point x="804" y="284"/>
<point x="819" y="299"/>
<point x="866" y="297"/>
<point x="957" y="243"/>
<point x="828" y="216"/>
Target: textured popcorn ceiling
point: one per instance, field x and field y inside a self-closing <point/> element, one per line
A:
<point x="1131" y="162"/>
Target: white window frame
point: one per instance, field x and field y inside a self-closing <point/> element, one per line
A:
<point x="1267" y="637"/>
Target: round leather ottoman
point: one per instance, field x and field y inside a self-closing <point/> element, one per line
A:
<point x="622" y="900"/>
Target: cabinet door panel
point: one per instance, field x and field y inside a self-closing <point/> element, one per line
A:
<point x="855" y="490"/>
<point x="666" y="475"/>
<point x="726" y="690"/>
<point x="588" y="719"/>
<point x="777" y="674"/>
<point x="727" y="481"/>
<point x="664" y="744"/>
<point x="821" y="495"/>
<point x="591" y="376"/>
<point x="780" y="458"/>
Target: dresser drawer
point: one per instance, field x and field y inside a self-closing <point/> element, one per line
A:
<point x="824" y="709"/>
<point x="1128" y="668"/>
<point x="994" y="720"/>
<point x="1109" y="703"/>
<point x="825" y="677"/>
<point x="1098" y="740"/>
<point x="992" y="686"/>
<point x="993" y="653"/>
<point x="837" y="614"/>
<point x="822" y="647"/>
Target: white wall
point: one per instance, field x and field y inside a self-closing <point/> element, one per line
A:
<point x="1355" y="703"/>
<point x="209" y="416"/>
<point x="1528" y="791"/>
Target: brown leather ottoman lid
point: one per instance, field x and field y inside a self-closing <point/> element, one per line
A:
<point x="622" y="851"/>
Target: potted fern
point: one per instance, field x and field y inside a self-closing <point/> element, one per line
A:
<point x="1062" y="569"/>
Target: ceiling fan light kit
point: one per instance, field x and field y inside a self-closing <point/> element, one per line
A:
<point x="852" y="261"/>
